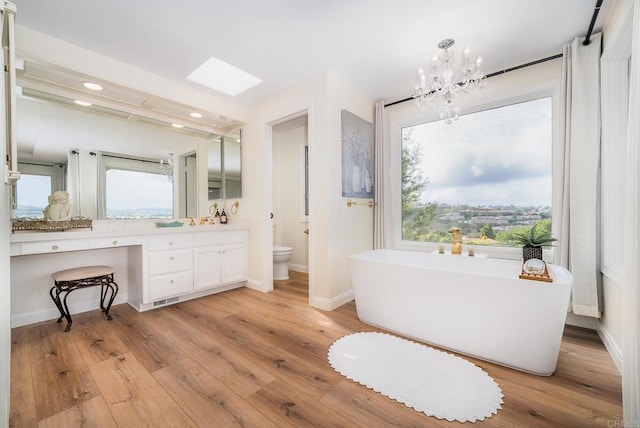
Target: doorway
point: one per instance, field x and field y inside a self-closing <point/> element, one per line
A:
<point x="290" y="184"/>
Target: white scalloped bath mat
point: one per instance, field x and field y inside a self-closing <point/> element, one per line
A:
<point x="430" y="381"/>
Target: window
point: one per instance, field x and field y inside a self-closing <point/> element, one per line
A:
<point x="489" y="174"/>
<point x="32" y="192"/>
<point x="37" y="182"/>
<point x="135" y="189"/>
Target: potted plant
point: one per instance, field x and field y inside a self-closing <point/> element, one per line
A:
<point x="533" y="241"/>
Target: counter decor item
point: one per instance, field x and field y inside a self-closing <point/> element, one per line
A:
<point x="41" y="225"/>
<point x="533" y="241"/>
<point x="536" y="270"/>
<point x="169" y="224"/>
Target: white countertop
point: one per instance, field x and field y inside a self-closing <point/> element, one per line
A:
<point x="111" y="228"/>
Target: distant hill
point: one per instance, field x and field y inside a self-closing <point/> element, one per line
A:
<point x="27" y="211"/>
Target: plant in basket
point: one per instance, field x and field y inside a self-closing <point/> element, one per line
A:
<point x="533" y="241"/>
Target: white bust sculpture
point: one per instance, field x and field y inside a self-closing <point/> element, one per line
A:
<point x="58" y="208"/>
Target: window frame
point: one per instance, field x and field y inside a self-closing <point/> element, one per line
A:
<point x="416" y="117"/>
<point x="108" y="161"/>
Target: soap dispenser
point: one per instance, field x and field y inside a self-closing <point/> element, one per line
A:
<point x="223" y="217"/>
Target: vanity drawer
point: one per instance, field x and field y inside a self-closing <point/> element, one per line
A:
<point x="119" y="241"/>
<point x="54" y="246"/>
<point x="169" y="242"/>
<point x="170" y="261"/>
<point x="172" y="284"/>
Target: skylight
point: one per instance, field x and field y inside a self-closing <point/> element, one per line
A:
<point x="223" y="77"/>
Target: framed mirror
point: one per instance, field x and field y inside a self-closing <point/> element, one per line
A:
<point x="224" y="169"/>
<point x="119" y="121"/>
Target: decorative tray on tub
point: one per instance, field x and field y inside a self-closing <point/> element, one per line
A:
<point x="536" y="270"/>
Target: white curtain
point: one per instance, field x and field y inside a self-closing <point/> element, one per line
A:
<point x="578" y="225"/>
<point x="73" y="181"/>
<point x="59" y="177"/>
<point x="631" y="290"/>
<point x="379" y="182"/>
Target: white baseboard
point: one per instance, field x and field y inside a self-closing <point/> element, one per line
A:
<point x="298" y="268"/>
<point x="611" y="345"/>
<point x="257" y="285"/>
<point x="333" y="303"/>
<point x="18" y="320"/>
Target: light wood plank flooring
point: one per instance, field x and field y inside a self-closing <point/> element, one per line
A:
<point x="244" y="358"/>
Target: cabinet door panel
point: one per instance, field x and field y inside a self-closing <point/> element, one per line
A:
<point x="234" y="264"/>
<point x="207" y="267"/>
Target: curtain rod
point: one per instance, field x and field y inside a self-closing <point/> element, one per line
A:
<point x="496" y="73"/>
<point x="593" y="22"/>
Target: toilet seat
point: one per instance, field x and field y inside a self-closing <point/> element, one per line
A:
<point x="278" y="249"/>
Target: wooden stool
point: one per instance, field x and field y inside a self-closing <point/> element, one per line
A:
<point x="88" y="276"/>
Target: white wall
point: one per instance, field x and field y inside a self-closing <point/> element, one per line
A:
<point x="289" y="140"/>
<point x="335" y="230"/>
<point x="615" y="99"/>
<point x="31" y="281"/>
<point x="349" y="230"/>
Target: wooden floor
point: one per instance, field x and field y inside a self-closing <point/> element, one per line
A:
<point x="244" y="358"/>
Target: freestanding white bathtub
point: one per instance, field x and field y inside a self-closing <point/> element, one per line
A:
<point x="475" y="306"/>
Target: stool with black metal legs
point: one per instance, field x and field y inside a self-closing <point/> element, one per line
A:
<point x="65" y="281"/>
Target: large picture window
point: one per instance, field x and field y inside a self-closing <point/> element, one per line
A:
<point x="488" y="174"/>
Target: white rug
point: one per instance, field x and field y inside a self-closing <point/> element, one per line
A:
<point x="425" y="379"/>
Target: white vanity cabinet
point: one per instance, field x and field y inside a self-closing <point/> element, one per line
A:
<point x="220" y="259"/>
<point x="157" y="266"/>
<point x="170" y="265"/>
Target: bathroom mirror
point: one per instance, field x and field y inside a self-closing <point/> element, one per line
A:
<point x="214" y="169"/>
<point x="233" y="165"/>
<point x="50" y="128"/>
<point x="120" y="121"/>
<point x="224" y="167"/>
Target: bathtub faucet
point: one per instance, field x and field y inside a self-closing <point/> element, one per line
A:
<point x="456" y="247"/>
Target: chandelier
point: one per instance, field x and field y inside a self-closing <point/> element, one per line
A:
<point x="443" y="84"/>
<point x="166" y="168"/>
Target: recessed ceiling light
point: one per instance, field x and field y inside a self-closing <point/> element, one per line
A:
<point x="176" y="125"/>
<point x="93" y="86"/>
<point x="223" y="77"/>
<point x="82" y="103"/>
<point x="195" y="114"/>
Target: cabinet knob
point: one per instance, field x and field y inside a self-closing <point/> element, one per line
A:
<point x="54" y="247"/>
<point x="171" y="258"/>
<point x="170" y="242"/>
<point x="115" y="243"/>
<point x="171" y="281"/>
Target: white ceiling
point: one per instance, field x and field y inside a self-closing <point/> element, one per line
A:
<point x="376" y="45"/>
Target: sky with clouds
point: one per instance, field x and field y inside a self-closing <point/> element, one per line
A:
<point x="494" y="157"/>
<point x="158" y="191"/>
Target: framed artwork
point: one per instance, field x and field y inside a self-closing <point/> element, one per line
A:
<point x="357" y="156"/>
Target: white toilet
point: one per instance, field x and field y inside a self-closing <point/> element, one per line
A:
<point x="281" y="256"/>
